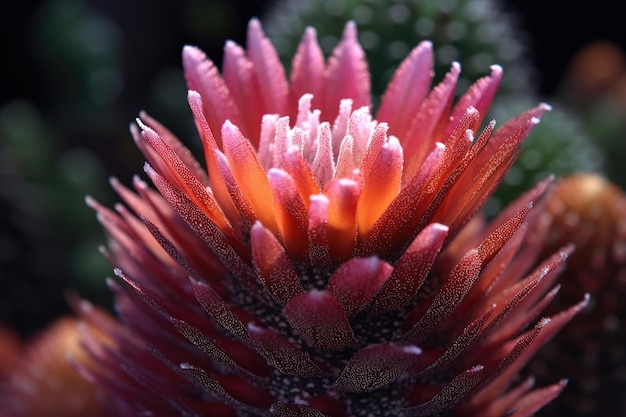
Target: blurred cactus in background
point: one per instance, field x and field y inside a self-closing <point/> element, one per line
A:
<point x="78" y="81"/>
<point x="48" y="166"/>
<point x="477" y="34"/>
<point x="29" y="257"/>
<point x="594" y="88"/>
<point x="559" y="146"/>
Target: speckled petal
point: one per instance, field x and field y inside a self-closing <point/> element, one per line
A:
<point x="202" y="76"/>
<point x="376" y="366"/>
<point x="407" y="89"/>
<point x="307" y="71"/>
<point x="347" y="75"/>
<point x="355" y="283"/>
<point x="319" y="318"/>
<point x="274" y="267"/>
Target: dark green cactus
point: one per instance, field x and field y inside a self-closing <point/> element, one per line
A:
<point x="477" y="34"/>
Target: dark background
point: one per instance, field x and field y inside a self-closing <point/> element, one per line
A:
<point x="154" y="30"/>
<point x="149" y="35"/>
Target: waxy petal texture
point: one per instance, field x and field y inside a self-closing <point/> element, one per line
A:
<point x="330" y="259"/>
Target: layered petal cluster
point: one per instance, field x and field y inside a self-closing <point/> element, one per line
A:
<point x="325" y="260"/>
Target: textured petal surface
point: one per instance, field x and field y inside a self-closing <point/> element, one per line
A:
<point x="323" y="261"/>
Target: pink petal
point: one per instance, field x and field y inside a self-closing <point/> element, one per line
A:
<point x="488" y="167"/>
<point x="168" y="228"/>
<point x="468" y="338"/>
<point x="323" y="165"/>
<point x="265" y="149"/>
<point x="300" y="170"/>
<point x="479" y="95"/>
<point x="244" y="210"/>
<point x="240" y="80"/>
<point x="318" y="318"/>
<point x="452" y="292"/>
<point x="217" y="308"/>
<point x="365" y="133"/>
<point x="182" y="176"/>
<point x="529" y="404"/>
<point x="281" y="142"/>
<point x="185" y="155"/>
<point x="428" y="123"/>
<point x="191" y="258"/>
<point x="347" y="75"/>
<point x="268" y="70"/>
<point x="499" y="237"/>
<point x="204" y="228"/>
<point x="346" y="162"/>
<point x="372" y="140"/>
<point x="454" y="161"/>
<point x="202" y="76"/>
<point x="211" y="148"/>
<point x="408" y="88"/>
<point x="307" y="71"/>
<point x="217" y="389"/>
<point x="514" y="131"/>
<point x="499" y="406"/>
<point x="203" y="342"/>
<point x="525" y="347"/>
<point x="519" y="304"/>
<point x="402" y="214"/>
<point x="451" y="395"/>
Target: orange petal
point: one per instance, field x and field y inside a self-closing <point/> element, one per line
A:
<point x="249" y="174"/>
<point x="381" y="184"/>
<point x="343" y="195"/>
<point x="290" y="212"/>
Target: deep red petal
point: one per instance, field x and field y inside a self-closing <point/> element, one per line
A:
<point x="318" y="318"/>
<point x="355" y="283"/>
<point x="375" y="366"/>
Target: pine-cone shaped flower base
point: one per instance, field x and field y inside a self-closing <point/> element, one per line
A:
<point x="325" y="262"/>
<point x="590" y="211"/>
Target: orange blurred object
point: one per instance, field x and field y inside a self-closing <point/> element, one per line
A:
<point x="41" y="382"/>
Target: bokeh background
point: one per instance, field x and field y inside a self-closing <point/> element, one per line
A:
<point x="76" y="72"/>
